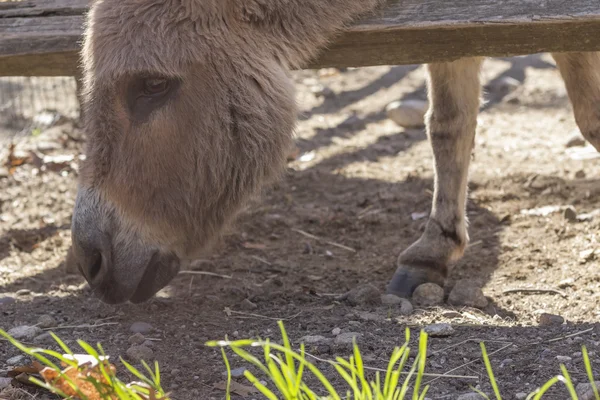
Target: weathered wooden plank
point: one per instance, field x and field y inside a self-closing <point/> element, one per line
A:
<point x="403" y="32"/>
<point x="34" y="8"/>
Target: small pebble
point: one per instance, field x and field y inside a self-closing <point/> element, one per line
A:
<point x="247" y="305"/>
<point x="336" y="331"/>
<point x="563" y="359"/>
<point x="138" y="353"/>
<point x="46" y="321"/>
<point x="175" y="372"/>
<point x="16" y="360"/>
<point x="369" y="316"/>
<point x="44" y="338"/>
<point x="4" y="301"/>
<point x="576" y="141"/>
<point x="428" y="294"/>
<point x="391" y="299"/>
<point x="4" y="383"/>
<point x="364" y="295"/>
<point x="238" y="372"/>
<point x="467" y="293"/>
<point x="148" y="343"/>
<point x="347" y="338"/>
<point x="521" y="395"/>
<point x="314" y="339"/>
<point x="551" y="319"/>
<point x="580" y="174"/>
<point x="570" y="214"/>
<point x="406" y="308"/>
<point x="141" y="327"/>
<point x="23" y="292"/>
<point x="137" y="338"/>
<point x="452" y="314"/>
<point x="439" y="330"/>
<point x="408" y="113"/>
<point x="25" y="332"/>
<point x="585" y="391"/>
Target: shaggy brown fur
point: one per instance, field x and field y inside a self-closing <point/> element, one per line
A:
<point x="189" y="109"/>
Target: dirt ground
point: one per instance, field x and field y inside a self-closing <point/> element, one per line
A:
<point x="357" y="182"/>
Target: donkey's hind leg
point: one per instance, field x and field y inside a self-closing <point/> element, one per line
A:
<point x="454" y="92"/>
<point x="581" y="73"/>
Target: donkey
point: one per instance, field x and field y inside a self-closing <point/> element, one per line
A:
<point x="189" y="109"/>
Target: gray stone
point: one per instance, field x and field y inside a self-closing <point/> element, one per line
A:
<point x="47" y="321"/>
<point x="347" y="338"/>
<point x="44" y="338"/>
<point x="364" y="295"/>
<point x="16" y="360"/>
<point x="141" y="327"/>
<point x="25" y="332"/>
<point x="23" y="292"/>
<point x="439" y="330"/>
<point x="137" y="338"/>
<point x="521" y="395"/>
<point x="247" y="305"/>
<point x="408" y="113"/>
<point x="563" y="359"/>
<point x="336" y="331"/>
<point x="369" y="316"/>
<point x="391" y="299"/>
<point x="467" y="293"/>
<point x="406" y="308"/>
<point x="5" y="382"/>
<point x="551" y="319"/>
<point x="314" y="339"/>
<point x="4" y="301"/>
<point x="576" y="141"/>
<point x="585" y="391"/>
<point x="138" y="353"/>
<point x="428" y="294"/>
<point x="570" y="214"/>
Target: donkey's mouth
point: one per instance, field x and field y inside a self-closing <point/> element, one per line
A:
<point x="160" y="271"/>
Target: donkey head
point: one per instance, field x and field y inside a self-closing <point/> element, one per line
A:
<point x="187" y="112"/>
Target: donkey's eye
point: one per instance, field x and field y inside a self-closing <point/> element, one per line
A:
<point x="155" y="86"/>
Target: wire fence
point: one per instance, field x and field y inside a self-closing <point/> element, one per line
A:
<point x="29" y="103"/>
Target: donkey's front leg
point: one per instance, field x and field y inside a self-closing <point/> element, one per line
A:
<point x="454" y="93"/>
<point x="581" y="73"/>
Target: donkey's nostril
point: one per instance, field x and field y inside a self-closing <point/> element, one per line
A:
<point x="95" y="265"/>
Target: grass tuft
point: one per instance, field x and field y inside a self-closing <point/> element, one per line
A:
<point x="92" y="377"/>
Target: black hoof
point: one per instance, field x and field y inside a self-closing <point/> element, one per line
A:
<point x="407" y="279"/>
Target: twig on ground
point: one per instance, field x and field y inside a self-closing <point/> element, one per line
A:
<point x="466" y="364"/>
<point x="262" y="260"/>
<point x="318" y="239"/>
<point x="534" y="290"/>
<point x="568" y="336"/>
<point x="84" y="326"/>
<point x="205" y="273"/>
<point x="240" y="314"/>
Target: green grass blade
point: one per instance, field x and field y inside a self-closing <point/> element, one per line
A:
<point x="568" y="382"/>
<point x="135" y="372"/>
<point x="226" y="360"/>
<point x="62" y="345"/>
<point x="545" y="387"/>
<point x="588" y="370"/>
<point x="421" y="357"/>
<point x="488" y="367"/>
<point x="262" y="388"/>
